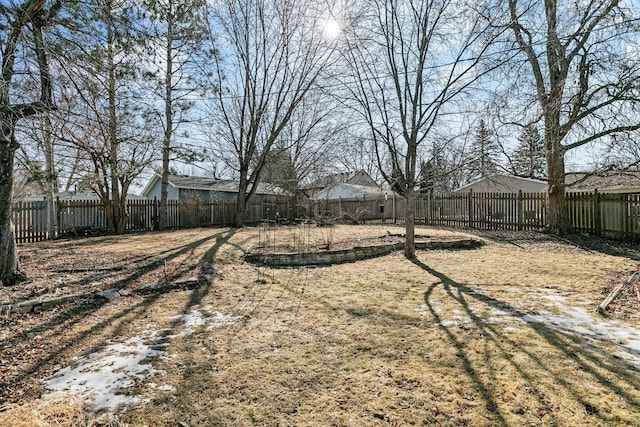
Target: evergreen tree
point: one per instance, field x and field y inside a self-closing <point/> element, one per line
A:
<point x="108" y="126"/>
<point x="177" y="32"/>
<point x="529" y="156"/>
<point x="279" y="169"/>
<point x="485" y="150"/>
<point x="434" y="175"/>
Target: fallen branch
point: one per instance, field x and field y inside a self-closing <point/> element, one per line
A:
<point x="616" y="291"/>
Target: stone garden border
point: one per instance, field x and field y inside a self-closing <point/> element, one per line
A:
<point x="356" y="253"/>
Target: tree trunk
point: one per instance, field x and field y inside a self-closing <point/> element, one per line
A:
<point x="164" y="196"/>
<point x="113" y="131"/>
<point x="10" y="273"/>
<point x="241" y="204"/>
<point x="51" y="180"/>
<point x="168" y="116"/>
<point x="122" y="215"/>
<point x="410" y="224"/>
<point x="557" y="214"/>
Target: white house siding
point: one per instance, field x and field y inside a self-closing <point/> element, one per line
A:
<point x="156" y="191"/>
<point x="348" y="191"/>
<point x="504" y="184"/>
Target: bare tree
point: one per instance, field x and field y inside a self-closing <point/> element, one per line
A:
<point x="584" y="72"/>
<point x="39" y="141"/>
<point x="177" y="36"/>
<point x="22" y="45"/>
<point x="355" y="152"/>
<point x="272" y="53"/>
<point x="410" y="61"/>
<point x="109" y="123"/>
<point x="87" y="129"/>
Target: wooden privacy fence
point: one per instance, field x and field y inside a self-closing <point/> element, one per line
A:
<point x="601" y="214"/>
<point x="613" y="215"/>
<point x="506" y="211"/>
<point x="72" y="218"/>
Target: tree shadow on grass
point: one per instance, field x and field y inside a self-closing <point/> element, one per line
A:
<point x="66" y="320"/>
<point x="602" y="369"/>
<point x="588" y="243"/>
<point x="137" y="266"/>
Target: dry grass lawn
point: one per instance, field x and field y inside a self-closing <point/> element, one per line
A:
<point x="504" y="335"/>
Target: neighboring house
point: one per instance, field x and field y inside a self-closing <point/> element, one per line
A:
<point x="72" y="196"/>
<point x="192" y="187"/>
<point x="354" y="202"/>
<point x="504" y="184"/>
<point x="350" y="191"/>
<point x="359" y="178"/>
<point x="614" y="181"/>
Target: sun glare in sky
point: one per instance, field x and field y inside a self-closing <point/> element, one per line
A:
<point x="332" y="29"/>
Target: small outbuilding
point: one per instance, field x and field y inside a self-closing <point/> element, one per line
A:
<point x="504" y="184"/>
<point x="183" y="187"/>
<point x="611" y="181"/>
<point x="349" y="191"/>
<point x="358" y="178"/>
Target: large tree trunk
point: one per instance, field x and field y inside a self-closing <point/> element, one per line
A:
<point x="410" y="224"/>
<point x="164" y="191"/>
<point x="168" y="116"/>
<point x="10" y="273"/>
<point x="51" y="181"/>
<point x="557" y="216"/>
<point x="113" y="130"/>
<point x="241" y="205"/>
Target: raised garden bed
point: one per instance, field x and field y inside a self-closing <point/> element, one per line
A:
<point x="350" y="250"/>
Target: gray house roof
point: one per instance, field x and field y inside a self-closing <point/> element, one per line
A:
<point x="359" y="177"/>
<point x="349" y="191"/>
<point x="504" y="184"/>
<point x="185" y="182"/>
<point x="73" y="196"/>
<point x="607" y="182"/>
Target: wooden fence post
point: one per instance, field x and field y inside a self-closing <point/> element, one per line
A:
<point x="626" y="214"/>
<point x="154" y="215"/>
<point x="520" y="211"/>
<point x="470" y="208"/>
<point x="198" y="212"/>
<point x="393" y="205"/>
<point x="429" y="214"/>
<point x="58" y="218"/>
<point x="597" y="226"/>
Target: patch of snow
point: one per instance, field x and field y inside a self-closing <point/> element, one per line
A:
<point x="246" y="305"/>
<point x="220" y="319"/>
<point x="548" y="307"/>
<point x="447" y="323"/>
<point x="579" y="321"/>
<point x="196" y="318"/>
<point x="99" y="376"/>
<point x="575" y="320"/>
<point x="167" y="387"/>
<point x="163" y="387"/>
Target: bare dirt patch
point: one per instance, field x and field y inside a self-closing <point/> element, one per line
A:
<point x="503" y="335"/>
